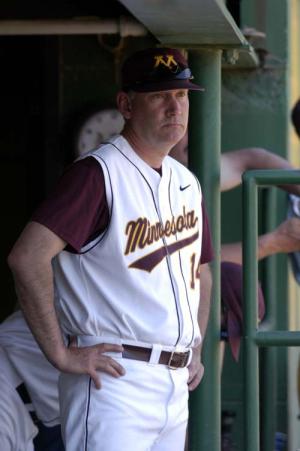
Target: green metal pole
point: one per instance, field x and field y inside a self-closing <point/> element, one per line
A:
<point x="251" y="378"/>
<point x="204" y="161"/>
<point x="270" y="223"/>
<point x="268" y="356"/>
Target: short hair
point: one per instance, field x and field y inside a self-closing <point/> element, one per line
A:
<point x="295" y="116"/>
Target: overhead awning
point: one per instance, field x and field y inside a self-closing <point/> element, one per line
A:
<point x="192" y="23"/>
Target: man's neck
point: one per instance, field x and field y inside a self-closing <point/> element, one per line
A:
<point x="152" y="156"/>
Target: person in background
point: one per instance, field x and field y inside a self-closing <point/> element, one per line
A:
<point x="29" y="398"/>
<point x="286" y="237"/>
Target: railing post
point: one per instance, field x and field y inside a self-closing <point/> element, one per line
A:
<point x="251" y="377"/>
<point x="268" y="356"/>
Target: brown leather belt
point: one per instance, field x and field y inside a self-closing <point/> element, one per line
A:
<point x="173" y="360"/>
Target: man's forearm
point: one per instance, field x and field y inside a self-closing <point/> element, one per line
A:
<point x="30" y="261"/>
<point x="35" y="294"/>
<point x="284" y="239"/>
<point x="233" y="252"/>
<point x="235" y="163"/>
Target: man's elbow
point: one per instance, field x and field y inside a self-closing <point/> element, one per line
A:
<point x="17" y="260"/>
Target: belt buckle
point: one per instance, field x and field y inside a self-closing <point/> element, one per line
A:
<point x="183" y="356"/>
<point x="172" y="367"/>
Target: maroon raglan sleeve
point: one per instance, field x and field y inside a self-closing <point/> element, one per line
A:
<point x="76" y="210"/>
<point x="207" y="253"/>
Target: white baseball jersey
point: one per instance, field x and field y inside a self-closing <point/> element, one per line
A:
<point x="139" y="280"/>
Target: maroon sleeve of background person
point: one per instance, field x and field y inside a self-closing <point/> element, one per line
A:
<point x="207" y="253"/>
<point x="77" y="209"/>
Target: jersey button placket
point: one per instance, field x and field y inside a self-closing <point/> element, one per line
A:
<point x="165" y="214"/>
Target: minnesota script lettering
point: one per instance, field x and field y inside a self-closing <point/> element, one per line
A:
<point x="142" y="233"/>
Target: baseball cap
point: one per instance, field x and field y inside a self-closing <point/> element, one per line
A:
<point x="157" y="69"/>
<point x="232" y="302"/>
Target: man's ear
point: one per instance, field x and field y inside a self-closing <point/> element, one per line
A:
<point x="124" y="104"/>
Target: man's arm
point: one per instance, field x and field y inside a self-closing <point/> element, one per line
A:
<point x="196" y="368"/>
<point x="235" y="163"/>
<point x="284" y="239"/>
<point x="31" y="263"/>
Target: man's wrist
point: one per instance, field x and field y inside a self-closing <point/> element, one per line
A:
<point x="59" y="357"/>
<point x="267" y="245"/>
<point x="197" y="351"/>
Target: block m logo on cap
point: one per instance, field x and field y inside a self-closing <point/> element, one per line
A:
<point x="165" y="60"/>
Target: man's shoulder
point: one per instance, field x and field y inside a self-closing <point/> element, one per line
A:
<point x="109" y="149"/>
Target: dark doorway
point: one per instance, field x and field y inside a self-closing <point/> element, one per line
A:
<point x="21" y="145"/>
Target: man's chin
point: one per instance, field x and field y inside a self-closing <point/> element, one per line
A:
<point x="174" y="134"/>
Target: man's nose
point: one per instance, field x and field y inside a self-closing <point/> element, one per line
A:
<point x="174" y="106"/>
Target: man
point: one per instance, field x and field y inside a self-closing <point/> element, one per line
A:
<point x="125" y="239"/>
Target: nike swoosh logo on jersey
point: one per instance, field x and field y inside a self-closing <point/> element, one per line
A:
<point x="182" y="188"/>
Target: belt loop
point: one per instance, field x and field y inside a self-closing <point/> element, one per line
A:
<point x="190" y="356"/>
<point x="155" y="354"/>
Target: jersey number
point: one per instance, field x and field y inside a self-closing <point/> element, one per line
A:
<point x="195" y="271"/>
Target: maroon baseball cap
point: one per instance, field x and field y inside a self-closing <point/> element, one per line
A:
<point x="157" y="69"/>
<point x="232" y="302"/>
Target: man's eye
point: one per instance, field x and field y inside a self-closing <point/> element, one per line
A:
<point x="158" y="96"/>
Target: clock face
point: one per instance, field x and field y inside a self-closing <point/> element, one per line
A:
<point x="99" y="127"/>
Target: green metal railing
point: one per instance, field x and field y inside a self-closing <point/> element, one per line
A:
<point x="254" y="337"/>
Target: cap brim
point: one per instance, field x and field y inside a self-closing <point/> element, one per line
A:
<point x="167" y="86"/>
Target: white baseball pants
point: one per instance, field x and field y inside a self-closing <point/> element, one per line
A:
<point x="145" y="410"/>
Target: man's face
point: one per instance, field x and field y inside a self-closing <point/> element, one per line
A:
<point x="160" y="118"/>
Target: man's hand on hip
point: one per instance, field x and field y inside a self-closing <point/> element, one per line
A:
<point x="196" y="370"/>
<point x="90" y="360"/>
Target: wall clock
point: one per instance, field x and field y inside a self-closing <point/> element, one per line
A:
<point x="96" y="128"/>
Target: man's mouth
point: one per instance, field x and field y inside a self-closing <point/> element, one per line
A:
<point x="173" y="124"/>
